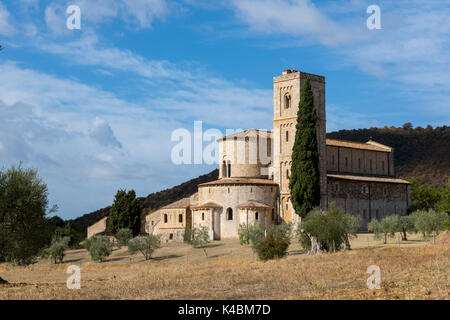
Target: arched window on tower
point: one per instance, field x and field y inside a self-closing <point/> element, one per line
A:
<point x="287" y="101"/>
<point x="229" y="214"/>
<point x="224" y="169"/>
<point x="229" y="169"/>
<point x="287" y="136"/>
<point x="256" y="215"/>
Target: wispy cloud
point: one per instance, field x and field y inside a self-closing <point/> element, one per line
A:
<point x="6" y="26"/>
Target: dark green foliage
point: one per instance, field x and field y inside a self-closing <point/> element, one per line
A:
<point x="99" y="247"/>
<point x="423" y="197"/>
<point x="273" y="246"/>
<point x="145" y="245"/>
<point x="276" y="242"/>
<point x="188" y="235"/>
<point x="24" y="229"/>
<point x="67" y="230"/>
<point x="123" y="236"/>
<point x="331" y="228"/>
<point x="418" y="152"/>
<point x="304" y="180"/>
<point x="444" y="203"/>
<point x="125" y="213"/>
<point x="56" y="250"/>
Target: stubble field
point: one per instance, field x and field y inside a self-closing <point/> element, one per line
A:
<point x="413" y="269"/>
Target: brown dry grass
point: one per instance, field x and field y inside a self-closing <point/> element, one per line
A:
<point x="411" y="270"/>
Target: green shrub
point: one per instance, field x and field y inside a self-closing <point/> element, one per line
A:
<point x="273" y="246"/>
<point x="56" y="250"/>
<point x="145" y="245"/>
<point x="123" y="236"/>
<point x="99" y="247"/>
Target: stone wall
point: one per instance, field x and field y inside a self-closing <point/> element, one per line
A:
<point x="98" y="228"/>
<point x="168" y="223"/>
<point x="369" y="200"/>
<point x="231" y="196"/>
<point x="248" y="155"/>
<point x="356" y="161"/>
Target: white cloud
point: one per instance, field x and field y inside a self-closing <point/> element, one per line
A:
<point x="101" y="131"/>
<point x="293" y="17"/>
<point x="146" y="10"/>
<point x="64" y="128"/>
<point x="6" y="27"/>
<point x="410" y="51"/>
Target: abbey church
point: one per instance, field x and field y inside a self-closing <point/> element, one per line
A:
<point x="254" y="172"/>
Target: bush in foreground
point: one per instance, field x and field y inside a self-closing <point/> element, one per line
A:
<point x="273" y="246"/>
<point x="251" y="234"/>
<point x="145" y="245"/>
<point x="99" y="247"/>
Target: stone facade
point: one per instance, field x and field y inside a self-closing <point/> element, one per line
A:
<point x="369" y="197"/>
<point x="171" y="221"/>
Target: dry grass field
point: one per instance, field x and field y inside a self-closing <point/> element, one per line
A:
<point x="414" y="269"/>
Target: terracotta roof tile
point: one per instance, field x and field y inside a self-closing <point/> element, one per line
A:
<point x="369" y="145"/>
<point x="253" y="204"/>
<point x="367" y="179"/>
<point x="227" y="181"/>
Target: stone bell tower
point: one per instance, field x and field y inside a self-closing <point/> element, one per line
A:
<point x="286" y="97"/>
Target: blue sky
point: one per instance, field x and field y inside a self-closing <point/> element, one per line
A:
<point x="93" y="109"/>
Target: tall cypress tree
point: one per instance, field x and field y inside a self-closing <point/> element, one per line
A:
<point x="305" y="176"/>
<point x="125" y="212"/>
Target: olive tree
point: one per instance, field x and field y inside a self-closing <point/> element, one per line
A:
<point x="57" y="249"/>
<point x="327" y="230"/>
<point x="99" y="247"/>
<point x="384" y="228"/>
<point x="430" y="222"/>
<point x="198" y="238"/>
<point x="123" y="236"/>
<point x="145" y="245"/>
<point x="24" y="228"/>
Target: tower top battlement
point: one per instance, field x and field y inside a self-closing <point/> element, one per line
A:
<point x="289" y="74"/>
